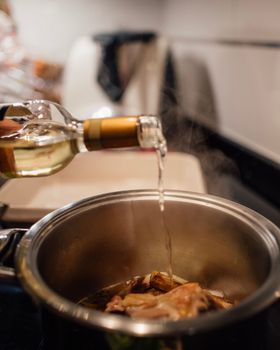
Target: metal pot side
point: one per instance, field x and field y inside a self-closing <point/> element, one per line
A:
<point x="109" y="238"/>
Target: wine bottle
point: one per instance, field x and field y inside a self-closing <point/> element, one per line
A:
<point x="39" y="138"/>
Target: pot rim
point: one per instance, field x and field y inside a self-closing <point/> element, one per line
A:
<point x="28" y="274"/>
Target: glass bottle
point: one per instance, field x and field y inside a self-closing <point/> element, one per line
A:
<point x="39" y="137"/>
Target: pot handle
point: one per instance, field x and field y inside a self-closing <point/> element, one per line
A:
<point x="9" y="239"/>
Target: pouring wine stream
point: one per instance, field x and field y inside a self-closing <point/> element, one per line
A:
<point x="161" y="151"/>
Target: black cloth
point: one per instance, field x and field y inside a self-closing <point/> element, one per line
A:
<point x="108" y="74"/>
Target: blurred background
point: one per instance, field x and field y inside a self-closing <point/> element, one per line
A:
<point x="211" y="69"/>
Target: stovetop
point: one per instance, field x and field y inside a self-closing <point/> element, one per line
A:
<point x="19" y="321"/>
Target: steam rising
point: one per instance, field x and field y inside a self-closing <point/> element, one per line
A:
<point x="184" y="109"/>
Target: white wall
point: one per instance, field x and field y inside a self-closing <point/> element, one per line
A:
<point x="228" y="19"/>
<point x="245" y="79"/>
<point x="49" y="28"/>
<point x="246" y="90"/>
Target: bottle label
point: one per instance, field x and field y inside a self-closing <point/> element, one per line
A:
<point x="116" y="132"/>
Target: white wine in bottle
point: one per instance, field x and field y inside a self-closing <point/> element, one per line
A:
<point x="39" y="138"/>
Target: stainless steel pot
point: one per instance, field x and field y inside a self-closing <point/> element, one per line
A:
<point x="109" y="238"/>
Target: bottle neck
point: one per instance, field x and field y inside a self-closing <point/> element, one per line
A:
<point x="120" y="132"/>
